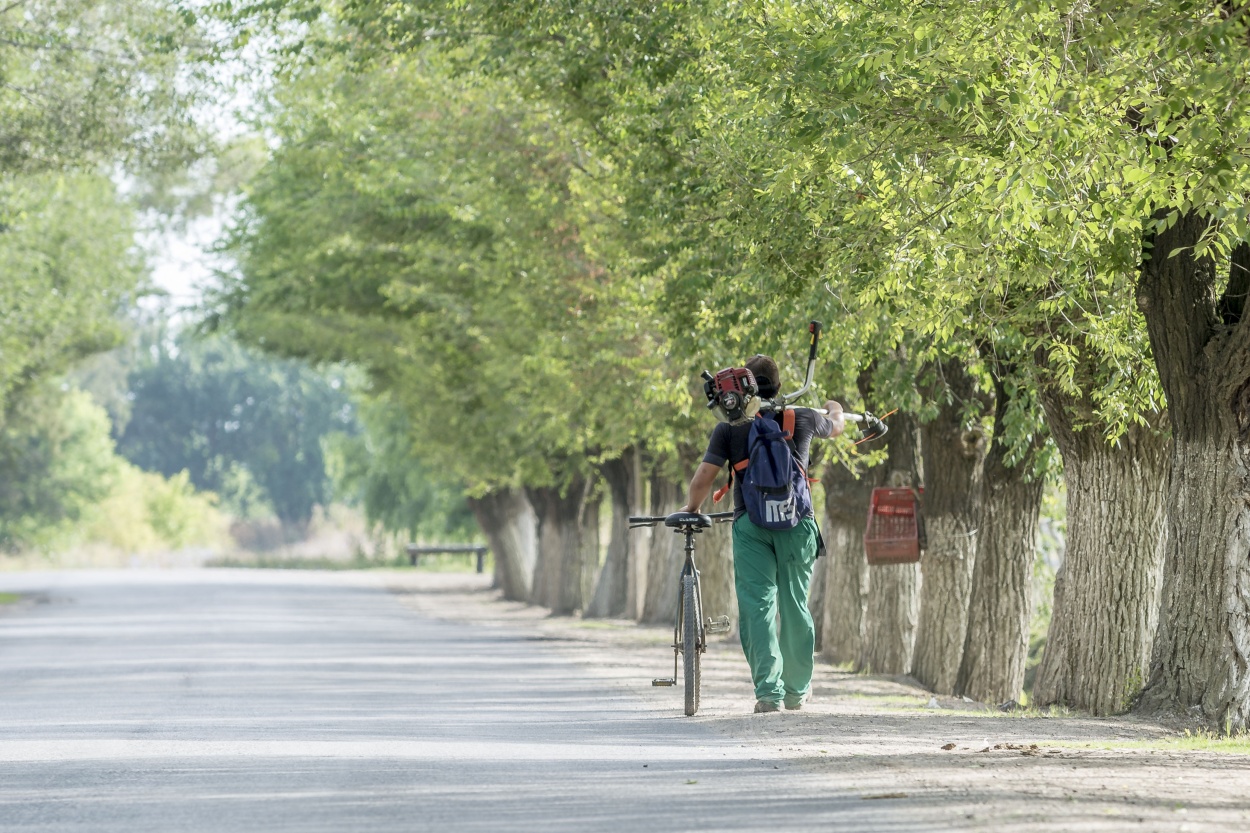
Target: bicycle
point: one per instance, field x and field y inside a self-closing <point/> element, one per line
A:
<point x="690" y="630"/>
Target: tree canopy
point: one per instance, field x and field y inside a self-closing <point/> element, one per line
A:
<point x="248" y="427"/>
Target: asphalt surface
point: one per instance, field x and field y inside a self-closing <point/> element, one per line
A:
<point x="270" y="700"/>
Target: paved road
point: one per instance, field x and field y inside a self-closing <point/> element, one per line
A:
<point x="253" y="700"/>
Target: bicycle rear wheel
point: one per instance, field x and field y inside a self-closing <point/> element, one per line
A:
<point x="690" y="647"/>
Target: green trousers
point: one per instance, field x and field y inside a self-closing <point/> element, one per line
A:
<point x="772" y="572"/>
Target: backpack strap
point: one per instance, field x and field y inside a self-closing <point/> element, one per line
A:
<point x="723" y="490"/>
<point x="787" y="425"/>
<point x="741" y="465"/>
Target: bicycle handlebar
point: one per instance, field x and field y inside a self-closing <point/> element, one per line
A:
<point x="647" y="520"/>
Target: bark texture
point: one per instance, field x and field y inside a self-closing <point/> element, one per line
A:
<point x="568" y="542"/>
<point x="511" y="527"/>
<point x="639" y="541"/>
<point x="953" y="452"/>
<point x="846" y="570"/>
<point x="1200" y="339"/>
<point x="714" y="558"/>
<point x="611" y="595"/>
<point x="665" y="557"/>
<point x="891" y="613"/>
<point x="1000" y="605"/>
<point x="1105" y="608"/>
<point x="893" y="605"/>
<point x="816" y="599"/>
<point x="589" y="557"/>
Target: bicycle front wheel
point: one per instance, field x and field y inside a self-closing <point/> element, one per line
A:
<point x="690" y="642"/>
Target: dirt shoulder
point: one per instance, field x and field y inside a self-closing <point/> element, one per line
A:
<point x="958" y="765"/>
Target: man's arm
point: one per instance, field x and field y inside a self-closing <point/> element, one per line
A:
<point x="700" y="486"/>
<point x="835" y="416"/>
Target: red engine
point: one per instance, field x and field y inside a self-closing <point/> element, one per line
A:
<point x="729" y="392"/>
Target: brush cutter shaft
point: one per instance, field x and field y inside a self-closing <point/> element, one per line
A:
<point x="847" y="415"/>
<point x="814" y="329"/>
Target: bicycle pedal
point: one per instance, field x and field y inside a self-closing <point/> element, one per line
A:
<point x="721" y="625"/>
<point x="664" y="681"/>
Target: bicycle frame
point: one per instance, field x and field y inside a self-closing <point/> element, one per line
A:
<point x="688" y="569"/>
<point x="688" y="524"/>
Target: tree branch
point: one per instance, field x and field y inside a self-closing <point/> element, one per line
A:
<point x="59" y="47"/>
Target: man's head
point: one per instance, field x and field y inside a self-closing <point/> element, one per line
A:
<point x="766" y="374"/>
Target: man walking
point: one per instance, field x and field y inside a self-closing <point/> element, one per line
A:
<point x="772" y="567"/>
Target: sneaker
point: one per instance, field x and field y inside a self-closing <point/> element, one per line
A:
<point x="762" y="706"/>
<point x="794" y="704"/>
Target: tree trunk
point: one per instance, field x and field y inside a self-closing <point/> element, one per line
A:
<point x="891" y="614"/>
<point x="511" y="527"/>
<point x="1201" y="345"/>
<point x="612" y="590"/>
<point x="1105" y="608"/>
<point x="1000" y="606"/>
<point x="893" y="604"/>
<point x="666" y="556"/>
<point x="564" y="543"/>
<point x="538" y="584"/>
<point x="816" y="599"/>
<point x="639" y="541"/>
<point x="953" y="446"/>
<point x="587" y="561"/>
<point x="846" y="570"/>
<point x="546" y="501"/>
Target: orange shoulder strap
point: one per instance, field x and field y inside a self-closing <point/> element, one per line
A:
<point x="787" y="422"/>
<point x="724" y="490"/>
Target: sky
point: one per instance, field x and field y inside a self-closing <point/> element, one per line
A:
<point x="180" y="258"/>
<point x="181" y="263"/>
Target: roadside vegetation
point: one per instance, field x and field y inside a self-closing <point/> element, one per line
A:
<point x="480" y="253"/>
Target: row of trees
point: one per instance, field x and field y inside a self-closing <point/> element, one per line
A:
<point x="533" y="223"/>
<point x="102" y="134"/>
<point x="272" y="438"/>
<point x="91" y="95"/>
<point x="248" y="427"/>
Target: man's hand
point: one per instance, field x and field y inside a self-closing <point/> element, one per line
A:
<point x="835" y="415"/>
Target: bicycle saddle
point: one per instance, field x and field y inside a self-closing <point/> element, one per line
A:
<point x="695" y="519"/>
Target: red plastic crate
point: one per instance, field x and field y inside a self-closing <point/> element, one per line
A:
<point x="892" y="535"/>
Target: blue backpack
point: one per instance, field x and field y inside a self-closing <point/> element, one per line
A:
<point x="774" y="486"/>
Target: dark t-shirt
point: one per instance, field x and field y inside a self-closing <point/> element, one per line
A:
<point x="728" y="444"/>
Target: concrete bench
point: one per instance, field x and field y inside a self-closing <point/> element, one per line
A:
<point x="415" y="552"/>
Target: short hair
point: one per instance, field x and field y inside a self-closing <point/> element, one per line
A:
<point x="766" y="374"/>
